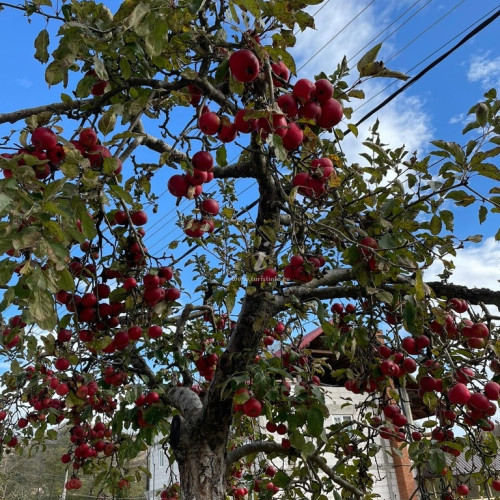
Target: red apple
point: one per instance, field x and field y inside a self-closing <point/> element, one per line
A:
<point x="43" y="138"/>
<point x="242" y="123"/>
<point x="293" y="137"/>
<point x="303" y="90"/>
<point x="139" y="218"/>
<point x="210" y="206"/>
<point x="244" y="65"/>
<point x="324" y="90"/>
<point x="331" y="114"/>
<point x="87" y="138"/>
<point x="203" y="160"/>
<point x="209" y="123"/>
<point x="459" y="394"/>
<point x="252" y="408"/>
<point x="178" y="185"/>
<point x="288" y="104"/>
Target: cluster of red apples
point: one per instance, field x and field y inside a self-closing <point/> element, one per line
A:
<point x="455" y="389"/>
<point x="303" y="269"/>
<point x="190" y="186"/>
<point x="46" y="153"/>
<point x="308" y="103"/>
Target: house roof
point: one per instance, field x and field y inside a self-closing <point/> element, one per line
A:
<point x="309" y="337"/>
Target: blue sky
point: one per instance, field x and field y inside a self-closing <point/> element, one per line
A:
<point x="433" y="107"/>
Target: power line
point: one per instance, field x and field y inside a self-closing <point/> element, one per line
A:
<point x="394" y="31"/>
<point x="335" y="36"/>
<point x="434" y="63"/>
<point x="437" y="21"/>
<point x="425" y="59"/>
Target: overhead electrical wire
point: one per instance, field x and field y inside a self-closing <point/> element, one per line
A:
<point x="336" y="35"/>
<point x="428" y="57"/>
<point x="434" y="63"/>
<point x="437" y="21"/>
<point x="368" y="44"/>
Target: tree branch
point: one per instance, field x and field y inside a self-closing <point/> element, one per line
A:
<point x="186" y="401"/>
<point x="314" y="289"/>
<point x="56" y="107"/>
<point x="271" y="447"/>
<point x="178" y="341"/>
<point x="473" y="295"/>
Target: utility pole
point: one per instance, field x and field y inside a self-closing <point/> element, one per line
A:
<point x="63" y="494"/>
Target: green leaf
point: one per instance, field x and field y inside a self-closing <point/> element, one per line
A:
<point x="304" y="20"/>
<point x="137" y="14"/>
<point x="368" y="58"/>
<point x="297" y="439"/>
<point x="221" y="156"/>
<point x="476" y="238"/>
<point x="235" y="86"/>
<point x="107" y="122"/>
<point x="356" y="93"/>
<point x="6" y="269"/>
<point x="437" y="460"/>
<point x="126" y="71"/>
<point x="41" y="307"/>
<point x="384" y="296"/>
<point x="54" y="74"/>
<point x="353" y="129"/>
<point x="488" y="170"/>
<point x="5" y="201"/>
<point x="66" y="281"/>
<point x="447" y="217"/>
<point x="461" y="197"/>
<point x="87" y="223"/>
<point x="41" y="44"/>
<point x="409" y="316"/>
<point x="315" y="422"/>
<point x="483" y="211"/>
<point x="435" y="225"/>
<point x="281" y="479"/>
<point x="222" y="71"/>
<point x="195" y="6"/>
<point x="419" y="286"/>
<point x="121" y="194"/>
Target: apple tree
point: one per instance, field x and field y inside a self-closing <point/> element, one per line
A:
<point x="103" y="337"/>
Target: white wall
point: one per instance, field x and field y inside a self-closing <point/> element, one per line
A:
<point x="385" y="483"/>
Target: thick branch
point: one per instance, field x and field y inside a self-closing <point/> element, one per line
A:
<point x="473" y="295"/>
<point x="186" y="401"/>
<point x="160" y="146"/>
<point x="140" y="366"/>
<point x="178" y="341"/>
<point x="321" y="288"/>
<point x="270" y="447"/>
<point x="55" y="107"/>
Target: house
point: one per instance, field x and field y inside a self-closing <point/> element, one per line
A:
<point x="391" y="472"/>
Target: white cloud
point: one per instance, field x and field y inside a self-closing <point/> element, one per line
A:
<point x="402" y="122"/>
<point x="460" y="118"/>
<point x="484" y="69"/>
<point x="476" y="266"/>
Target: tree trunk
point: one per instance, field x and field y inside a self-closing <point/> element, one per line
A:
<point x="202" y="473"/>
<point x="201" y="461"/>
